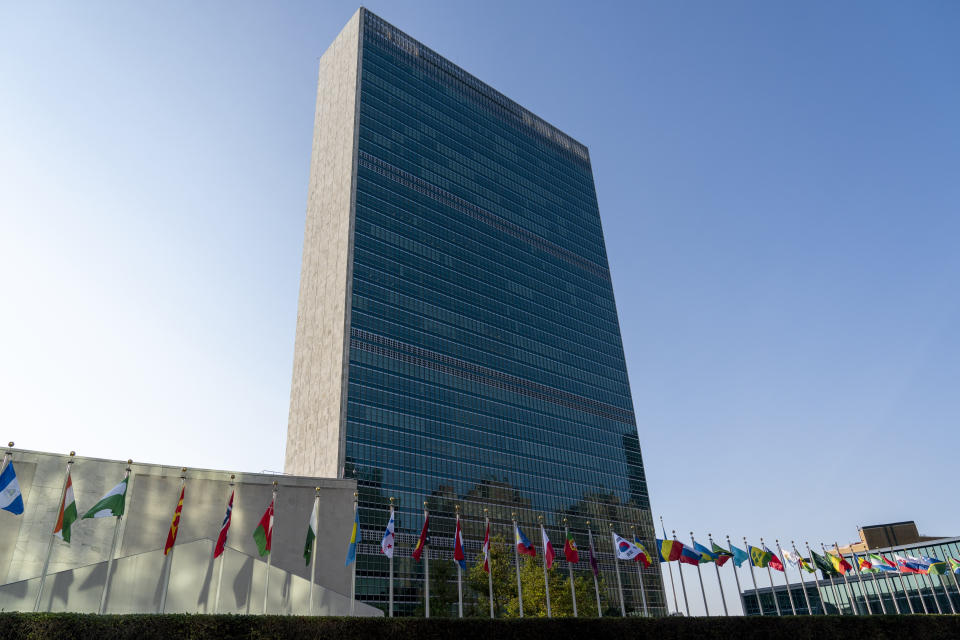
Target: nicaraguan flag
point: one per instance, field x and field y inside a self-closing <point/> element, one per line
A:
<point x="10" y="497"/>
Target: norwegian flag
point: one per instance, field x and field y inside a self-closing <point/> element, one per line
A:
<point x="224" y="528"/>
<point x="486" y="550"/>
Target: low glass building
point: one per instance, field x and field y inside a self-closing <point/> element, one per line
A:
<point x="866" y="593"/>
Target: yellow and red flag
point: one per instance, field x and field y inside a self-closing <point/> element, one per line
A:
<point x="174" y="524"/>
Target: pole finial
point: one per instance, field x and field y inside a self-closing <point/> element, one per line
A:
<point x="73" y="453"/>
<point x="564" y="520"/>
<point x="317" y="489"/>
<point x="10" y="444"/>
<point x="513" y="514"/>
<point x="588" y="523"/>
<point x="391" y="500"/>
<point x="540" y="519"/>
<point x="456" y="509"/>
<point x="275" y="483"/>
<point x="424" y="504"/>
<point x="183" y="469"/>
<point x="129" y="460"/>
<point x="485" y="511"/>
<point x="232" y="476"/>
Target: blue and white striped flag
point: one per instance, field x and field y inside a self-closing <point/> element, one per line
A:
<point x="10" y="497"/>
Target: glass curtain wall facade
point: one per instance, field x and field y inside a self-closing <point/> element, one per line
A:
<point x="932" y="594"/>
<point x="486" y="367"/>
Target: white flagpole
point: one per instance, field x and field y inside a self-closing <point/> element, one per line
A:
<point x="793" y="607"/>
<point x="836" y="593"/>
<point x="723" y="597"/>
<point x="903" y="585"/>
<point x="460" y="570"/>
<point x="6" y="456"/>
<point x="946" y="592"/>
<point x="216" y="601"/>
<point x="486" y="517"/>
<point x="313" y="553"/>
<point x="46" y="562"/>
<point x="876" y="585"/>
<point x="773" y="591"/>
<point x="643" y="591"/>
<point x="616" y="565"/>
<point x="391" y="556"/>
<point x="273" y="515"/>
<point x="546" y="581"/>
<point x="803" y="582"/>
<point x="853" y="600"/>
<point x="863" y="588"/>
<point x="703" y="591"/>
<point x="933" y="592"/>
<point x="573" y="591"/>
<point x="734" y="565"/>
<point x="683" y="584"/>
<point x="169" y="558"/>
<point x="426" y="563"/>
<point x="673" y="581"/>
<point x="753" y="578"/>
<point x="892" y="588"/>
<point x="516" y="557"/>
<point x="356" y="552"/>
<point x="596" y="585"/>
<point x="113" y="545"/>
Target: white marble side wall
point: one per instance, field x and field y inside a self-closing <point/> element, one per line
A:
<point x="153" y="494"/>
<point x="315" y="438"/>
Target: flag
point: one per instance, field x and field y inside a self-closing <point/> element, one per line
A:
<point x="759" y="557"/>
<point x="263" y="534"/>
<point x="739" y="555"/>
<point x="386" y="544"/>
<point x="806" y="564"/>
<point x="863" y="564"/>
<point x="954" y="564"/>
<point x="486" y="550"/>
<point x="355" y="537"/>
<point x="10" y="497"/>
<point x="706" y="555"/>
<point x="774" y="561"/>
<point x="626" y="550"/>
<point x="570" y="549"/>
<point x="422" y="542"/>
<point x="644" y="556"/>
<point x="458" y="555"/>
<point x="548" y="553"/>
<point x="881" y="563"/>
<point x="936" y="567"/>
<point x="174" y="524"/>
<point x="792" y="559"/>
<point x="593" y="563"/>
<point x="111" y="504"/>
<point x="224" y="528"/>
<point x="524" y="546"/>
<point x="312" y="525"/>
<point x="910" y="564"/>
<point x="722" y="554"/>
<point x="823" y="564"/>
<point x="840" y="565"/>
<point x="688" y="555"/>
<point x="670" y="550"/>
<point x="68" y="512"/>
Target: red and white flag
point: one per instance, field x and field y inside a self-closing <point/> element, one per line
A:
<point x="548" y="554"/>
<point x="486" y="550"/>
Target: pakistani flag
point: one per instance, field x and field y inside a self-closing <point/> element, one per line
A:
<point x="312" y="531"/>
<point x="68" y="513"/>
<point x="111" y="504"/>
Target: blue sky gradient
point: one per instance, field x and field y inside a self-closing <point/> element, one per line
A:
<point x="778" y="182"/>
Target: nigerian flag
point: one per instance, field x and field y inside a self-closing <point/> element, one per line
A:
<point x="111" y="504"/>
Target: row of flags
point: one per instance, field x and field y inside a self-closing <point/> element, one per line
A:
<point x="828" y="564"/>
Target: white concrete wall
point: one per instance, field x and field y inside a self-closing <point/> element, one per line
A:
<point x="315" y="431"/>
<point x="77" y="570"/>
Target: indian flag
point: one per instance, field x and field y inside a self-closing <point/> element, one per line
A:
<point x="312" y="531"/>
<point x="111" y="504"/>
<point x="68" y="513"/>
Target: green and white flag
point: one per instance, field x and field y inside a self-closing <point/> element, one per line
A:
<point x="111" y="504"/>
<point x="312" y="531"/>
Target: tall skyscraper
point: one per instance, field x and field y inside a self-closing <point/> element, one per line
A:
<point x="457" y="337"/>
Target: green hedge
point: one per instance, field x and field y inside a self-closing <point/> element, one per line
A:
<point x="52" y="626"/>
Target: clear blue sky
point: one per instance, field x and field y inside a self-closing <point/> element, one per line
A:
<point x="779" y="186"/>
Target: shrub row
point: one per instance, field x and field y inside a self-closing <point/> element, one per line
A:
<point x="68" y="626"/>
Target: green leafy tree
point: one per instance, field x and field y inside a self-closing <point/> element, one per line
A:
<point x="505" y="603"/>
